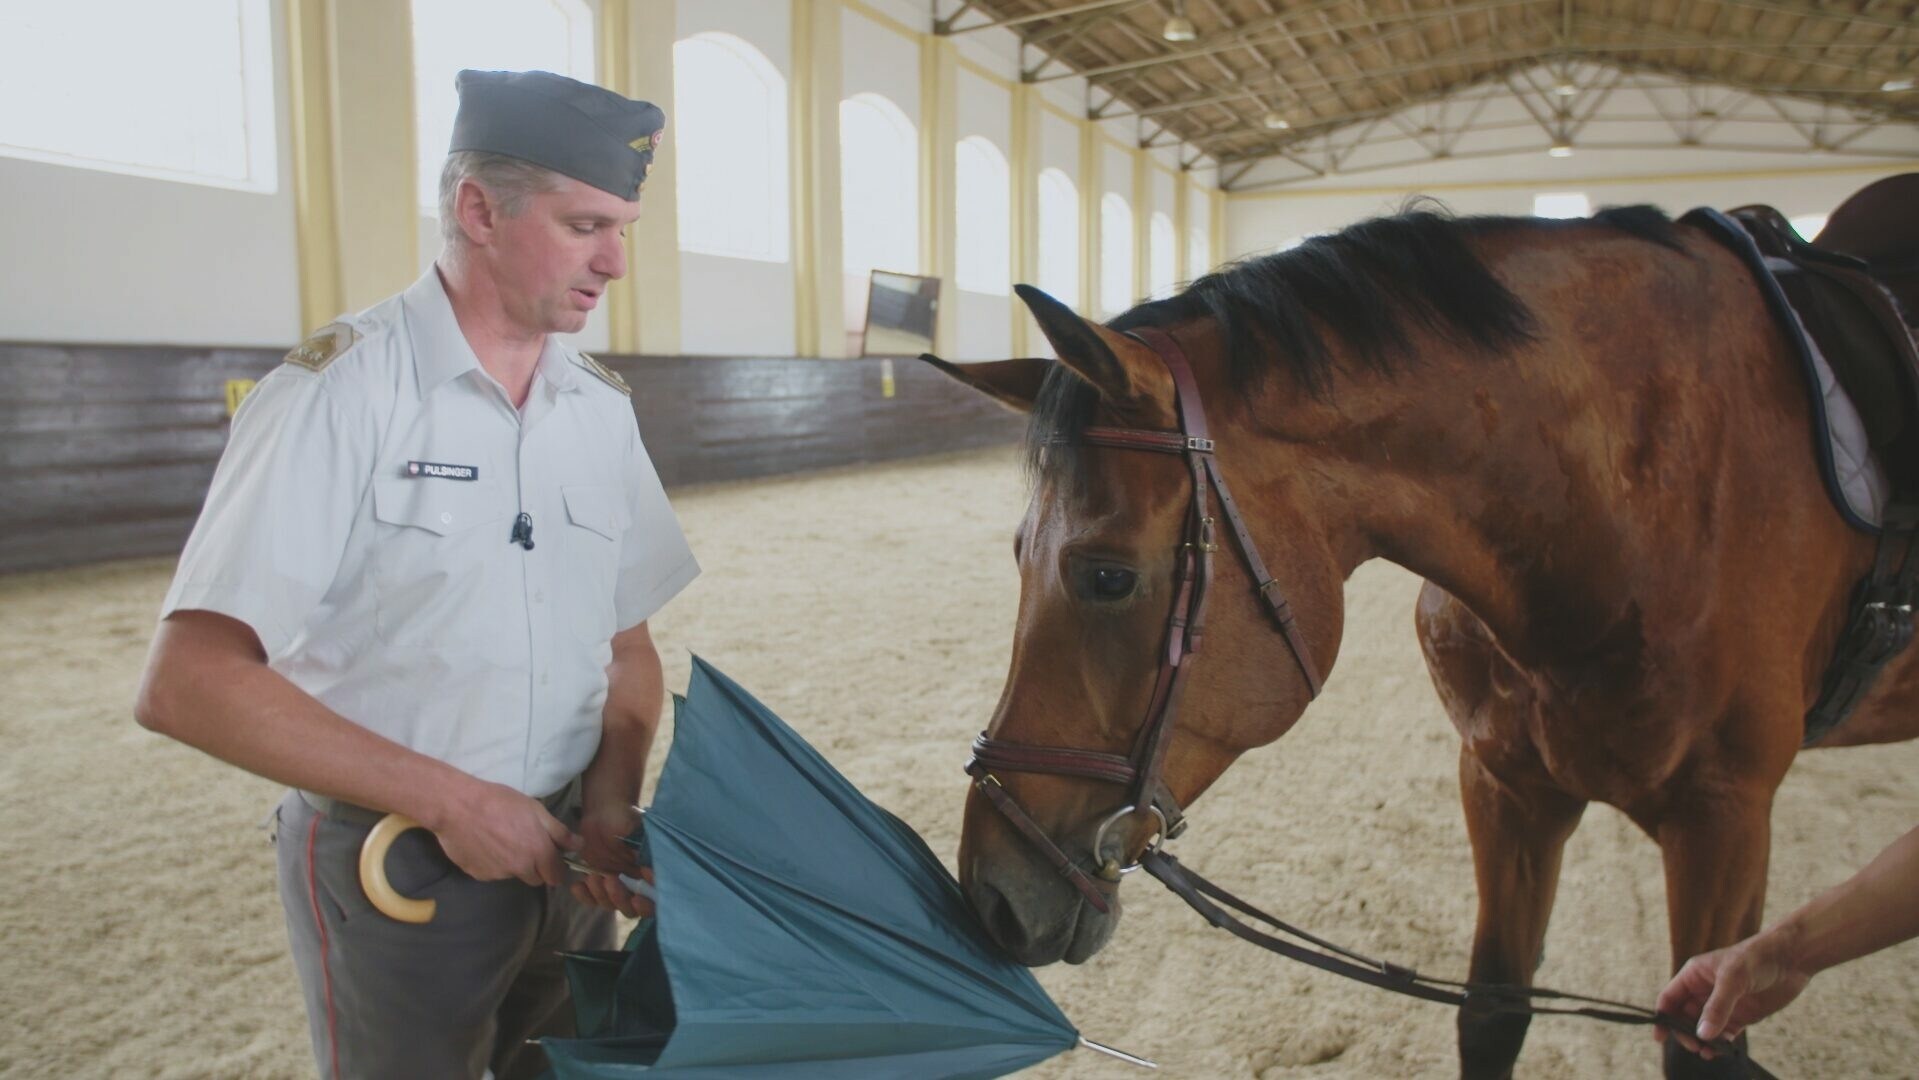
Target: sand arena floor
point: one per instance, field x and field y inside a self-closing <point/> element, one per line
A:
<point x="140" y="935"/>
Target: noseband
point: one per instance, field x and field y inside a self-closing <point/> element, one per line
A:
<point x="1139" y="771"/>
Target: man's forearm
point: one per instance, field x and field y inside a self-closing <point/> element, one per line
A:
<point x="204" y="689"/>
<point x="636" y="689"/>
<point x="1872" y="910"/>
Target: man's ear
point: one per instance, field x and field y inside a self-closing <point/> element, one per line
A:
<point x="475" y="212"/>
<point x="1013" y="383"/>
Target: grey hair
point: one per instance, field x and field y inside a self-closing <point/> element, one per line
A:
<point x="508" y="179"/>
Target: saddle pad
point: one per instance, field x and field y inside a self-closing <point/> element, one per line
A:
<point x="1857" y="482"/>
<point x="1855" y="479"/>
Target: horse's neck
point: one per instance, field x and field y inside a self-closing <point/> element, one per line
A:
<point x="1500" y="478"/>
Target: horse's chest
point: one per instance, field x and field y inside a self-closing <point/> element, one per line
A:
<point x="1604" y="736"/>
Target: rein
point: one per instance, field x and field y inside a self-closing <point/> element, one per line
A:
<point x="1139" y="771"/>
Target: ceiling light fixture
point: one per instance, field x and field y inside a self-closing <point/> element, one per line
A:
<point x="1565" y="88"/>
<point x="1560" y="148"/>
<point x="1893" y="86"/>
<point x="1274" y="121"/>
<point x="1178" y="27"/>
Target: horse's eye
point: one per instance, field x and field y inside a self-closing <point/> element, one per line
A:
<point x="1113" y="584"/>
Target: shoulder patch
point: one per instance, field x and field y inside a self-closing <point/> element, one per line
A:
<point x="606" y="374"/>
<point x="326" y="344"/>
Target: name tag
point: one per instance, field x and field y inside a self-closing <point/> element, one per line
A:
<point x="438" y="471"/>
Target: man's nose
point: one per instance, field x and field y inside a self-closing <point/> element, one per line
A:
<point x="610" y="260"/>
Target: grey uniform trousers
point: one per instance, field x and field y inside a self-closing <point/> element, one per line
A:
<point x="452" y="998"/>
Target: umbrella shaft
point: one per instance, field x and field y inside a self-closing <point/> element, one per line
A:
<point x="1120" y="1054"/>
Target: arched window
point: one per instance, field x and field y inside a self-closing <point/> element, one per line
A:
<point x="984" y="246"/>
<point x="175" y="91"/>
<point x="1115" y="253"/>
<point x="1199" y="233"/>
<point x="1199" y="252"/>
<point x="879" y="187"/>
<point x="1059" y="237"/>
<point x="728" y="148"/>
<point x="1161" y="272"/>
<point x="490" y="35"/>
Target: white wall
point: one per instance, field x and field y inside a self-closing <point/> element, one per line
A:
<point x="739" y="307"/>
<point x="876" y="59"/>
<point x="93" y="256"/>
<point x="985" y="327"/>
<point x="1059" y="149"/>
<point x="1163" y="186"/>
<point x="986" y="109"/>
<point x="735" y="307"/>
<point x="1116" y="172"/>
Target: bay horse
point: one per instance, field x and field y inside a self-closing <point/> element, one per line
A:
<point x="1591" y="441"/>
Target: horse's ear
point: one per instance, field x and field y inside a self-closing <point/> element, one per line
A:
<point x="1121" y="369"/>
<point x="1012" y="383"/>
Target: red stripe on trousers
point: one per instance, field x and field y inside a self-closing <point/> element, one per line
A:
<point x="326" y="973"/>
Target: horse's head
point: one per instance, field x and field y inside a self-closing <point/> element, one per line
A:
<point x="1100" y="556"/>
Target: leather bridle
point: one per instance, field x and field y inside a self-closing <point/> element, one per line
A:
<point x="1140" y="770"/>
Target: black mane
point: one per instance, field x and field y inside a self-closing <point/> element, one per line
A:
<point x="1366" y="286"/>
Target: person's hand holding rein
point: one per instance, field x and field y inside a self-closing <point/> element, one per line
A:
<point x="1720" y="993"/>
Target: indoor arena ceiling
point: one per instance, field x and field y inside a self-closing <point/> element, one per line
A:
<point x="1259" y="80"/>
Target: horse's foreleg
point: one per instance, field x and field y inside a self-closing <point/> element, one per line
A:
<point x="1715" y="843"/>
<point x="1518" y="828"/>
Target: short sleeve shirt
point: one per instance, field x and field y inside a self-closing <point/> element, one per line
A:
<point x="362" y="522"/>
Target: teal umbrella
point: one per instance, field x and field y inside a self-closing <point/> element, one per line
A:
<point x="801" y="932"/>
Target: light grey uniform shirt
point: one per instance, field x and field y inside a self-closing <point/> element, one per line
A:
<point x="359" y="522"/>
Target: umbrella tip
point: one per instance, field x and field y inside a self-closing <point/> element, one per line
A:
<point x="1120" y="1054"/>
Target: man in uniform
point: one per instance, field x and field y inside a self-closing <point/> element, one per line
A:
<point x="420" y="585"/>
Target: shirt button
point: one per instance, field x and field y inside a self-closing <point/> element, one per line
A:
<point x="446" y="519"/>
<point x="545" y="677"/>
<point x="539" y="596"/>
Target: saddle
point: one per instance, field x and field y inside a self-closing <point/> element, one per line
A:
<point x="1849" y="303"/>
<point x="1855" y="290"/>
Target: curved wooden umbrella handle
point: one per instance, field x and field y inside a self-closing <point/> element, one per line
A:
<point x="373" y="880"/>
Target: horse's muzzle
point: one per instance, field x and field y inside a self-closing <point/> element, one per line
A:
<point x="1036" y="915"/>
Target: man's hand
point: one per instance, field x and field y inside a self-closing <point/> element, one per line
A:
<point x="605" y="824"/>
<point x="499" y="833"/>
<point x="1721" y="992"/>
<point x="635" y="690"/>
<point x="605" y="891"/>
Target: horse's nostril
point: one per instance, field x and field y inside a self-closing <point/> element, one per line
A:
<point x="1001" y="921"/>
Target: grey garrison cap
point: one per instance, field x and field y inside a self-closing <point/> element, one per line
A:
<point x="576" y="129"/>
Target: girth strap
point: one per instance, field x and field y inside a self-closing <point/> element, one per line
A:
<point x="1880" y="626"/>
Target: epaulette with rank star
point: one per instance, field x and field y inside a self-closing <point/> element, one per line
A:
<point x="606" y="374"/>
<point x="326" y="344"/>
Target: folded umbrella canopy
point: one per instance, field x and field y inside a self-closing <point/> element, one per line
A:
<point x="801" y="931"/>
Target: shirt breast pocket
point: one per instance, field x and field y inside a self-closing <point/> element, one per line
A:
<point x="430" y="560"/>
<point x="597" y="519"/>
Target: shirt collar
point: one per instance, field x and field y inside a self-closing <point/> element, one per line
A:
<point x="440" y="350"/>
